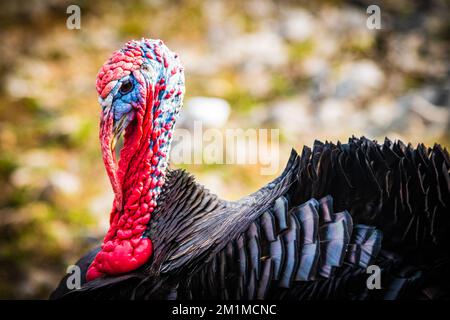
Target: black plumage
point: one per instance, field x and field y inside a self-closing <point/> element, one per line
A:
<point x="309" y="234"/>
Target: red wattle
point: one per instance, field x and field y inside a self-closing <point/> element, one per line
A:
<point x="133" y="179"/>
<point x="125" y="256"/>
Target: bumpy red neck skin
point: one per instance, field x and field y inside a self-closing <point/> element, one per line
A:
<point x="137" y="178"/>
<point x="124" y="249"/>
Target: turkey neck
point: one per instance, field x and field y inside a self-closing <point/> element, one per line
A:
<point x="140" y="171"/>
<point x="140" y="174"/>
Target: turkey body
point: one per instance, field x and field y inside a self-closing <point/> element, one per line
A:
<point x="337" y="214"/>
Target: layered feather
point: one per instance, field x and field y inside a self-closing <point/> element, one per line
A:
<point x="384" y="204"/>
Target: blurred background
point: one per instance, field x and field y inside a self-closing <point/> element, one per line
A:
<point x="310" y="68"/>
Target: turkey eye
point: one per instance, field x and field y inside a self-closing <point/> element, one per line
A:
<point x="126" y="87"/>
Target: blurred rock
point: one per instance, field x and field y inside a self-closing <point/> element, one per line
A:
<point x="260" y="9"/>
<point x="292" y="115"/>
<point x="199" y="63"/>
<point x="343" y="21"/>
<point x="328" y="46"/>
<point x="315" y="66"/>
<point x="438" y="94"/>
<point x="411" y="53"/>
<point x="256" y="81"/>
<point x="66" y="125"/>
<point x="382" y="111"/>
<point x="23" y="177"/>
<point x="32" y="171"/>
<point x="212" y="112"/>
<point x="337" y="115"/>
<point x="433" y="119"/>
<point x="220" y="26"/>
<point x="263" y="48"/>
<point x="37" y="159"/>
<point x="297" y="24"/>
<point x="359" y="79"/>
<point x="65" y="182"/>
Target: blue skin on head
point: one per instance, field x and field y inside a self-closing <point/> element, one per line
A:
<point x="122" y="102"/>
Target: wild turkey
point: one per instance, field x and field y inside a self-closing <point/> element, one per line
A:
<point x="309" y="234"/>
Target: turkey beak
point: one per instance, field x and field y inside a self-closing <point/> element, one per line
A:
<point x="118" y="128"/>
